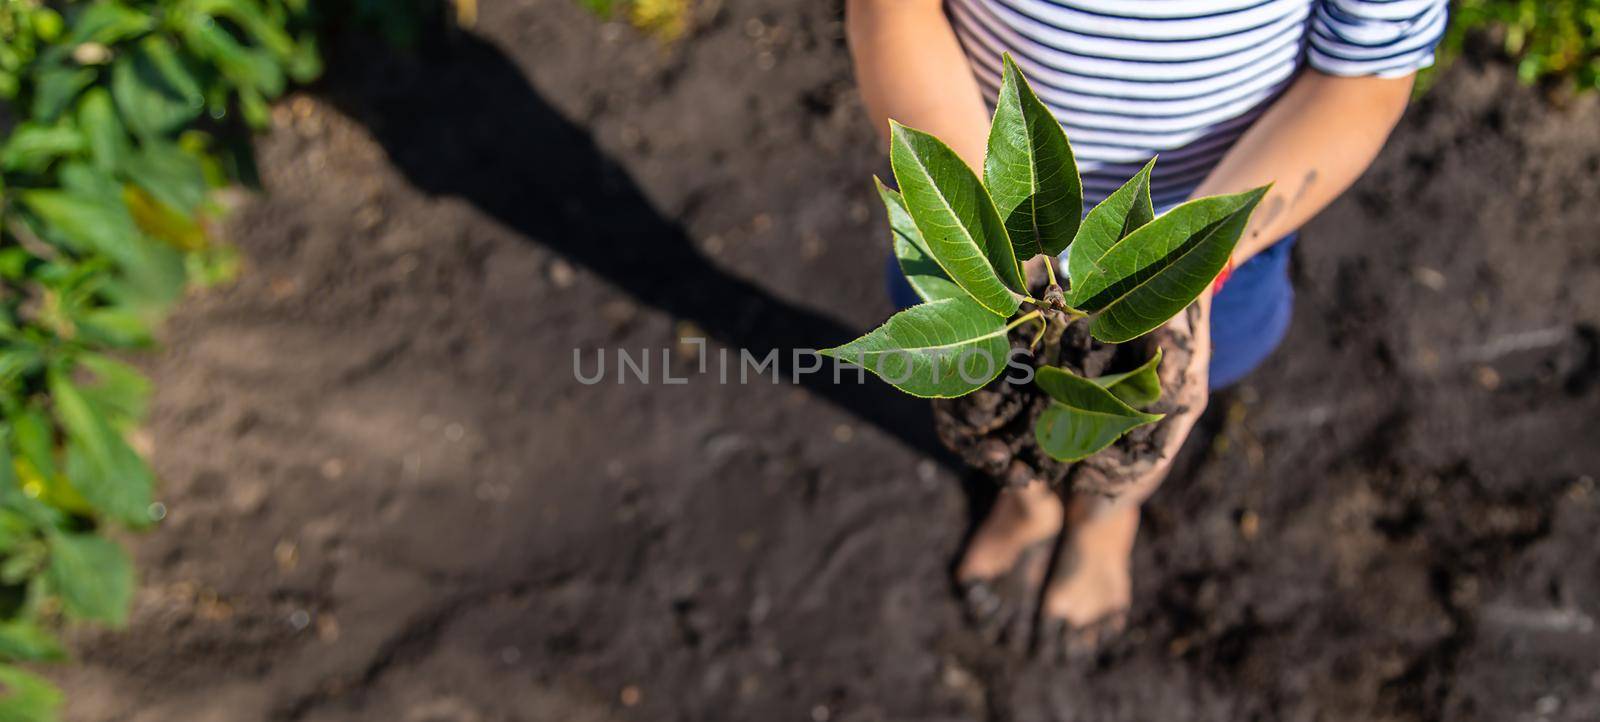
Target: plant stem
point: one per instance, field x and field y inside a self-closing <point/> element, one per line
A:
<point x="1024" y="318"/>
<point x="1050" y="270"/>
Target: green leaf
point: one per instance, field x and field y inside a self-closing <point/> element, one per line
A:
<point x="940" y="349"/>
<point x="250" y="68"/>
<point x="108" y="141"/>
<point x="170" y="174"/>
<point x="119" y="388"/>
<point x="93" y="224"/>
<point x="920" y="269"/>
<point x="107" y="23"/>
<point x="1158" y="270"/>
<point x="27" y="697"/>
<point x="957" y="219"/>
<point x="1121" y="213"/>
<point x="1137" y="388"/>
<point x="1082" y="417"/>
<point x="101" y="466"/>
<point x="116" y="327"/>
<point x="93" y="577"/>
<point x="24" y="641"/>
<point x="32" y="147"/>
<point x="20" y="509"/>
<point x="1030" y="172"/>
<point x="35" y="439"/>
<point x="249" y="18"/>
<point x="154" y="90"/>
<point x="85" y="223"/>
<point x="55" y="87"/>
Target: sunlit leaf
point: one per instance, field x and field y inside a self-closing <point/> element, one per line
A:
<point x="153" y="88"/>
<point x="32" y="147"/>
<point x="917" y="265"/>
<point x="940" y="349"/>
<point x="171" y="174"/>
<point x="27" y="697"/>
<point x="108" y="141"/>
<point x="1159" y="269"/>
<point x="24" y="641"/>
<point x="1137" y="388"/>
<point x="102" y="467"/>
<point x="54" y="89"/>
<point x="1111" y="220"/>
<point x="957" y="219"/>
<point x="93" y="577"/>
<point x="107" y="23"/>
<point x="1030" y="172"/>
<point x="1082" y="417"/>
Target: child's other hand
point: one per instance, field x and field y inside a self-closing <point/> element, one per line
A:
<point x="1186" y="340"/>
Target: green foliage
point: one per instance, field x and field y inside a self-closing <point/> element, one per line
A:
<point x="961" y="242"/>
<point x="667" y="20"/>
<point x="1030" y="171"/>
<point x="1083" y="416"/>
<point x="957" y="219"/>
<point x="1151" y="274"/>
<point x="1552" y="41"/>
<point x="1137" y="388"/>
<point x="940" y="349"/>
<point x="121" y="121"/>
<point x="911" y="251"/>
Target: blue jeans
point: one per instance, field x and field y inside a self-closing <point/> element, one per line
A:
<point x="1248" y="318"/>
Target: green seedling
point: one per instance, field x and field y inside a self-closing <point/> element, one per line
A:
<point x="962" y="240"/>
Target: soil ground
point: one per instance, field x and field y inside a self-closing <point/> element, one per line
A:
<point x="390" y="499"/>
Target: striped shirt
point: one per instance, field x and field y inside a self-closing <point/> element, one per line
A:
<point x="1130" y="79"/>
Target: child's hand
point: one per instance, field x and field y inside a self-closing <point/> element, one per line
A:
<point x="1186" y="350"/>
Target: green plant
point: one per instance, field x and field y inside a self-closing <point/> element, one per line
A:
<point x="1554" y="41"/>
<point x="124" y="114"/>
<point x="665" y="19"/>
<point x="961" y="242"/>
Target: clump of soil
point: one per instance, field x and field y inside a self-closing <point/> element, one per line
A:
<point x="992" y="429"/>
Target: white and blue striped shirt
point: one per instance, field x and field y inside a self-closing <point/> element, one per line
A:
<point x="1130" y="79"/>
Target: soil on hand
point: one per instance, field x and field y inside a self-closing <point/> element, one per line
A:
<point x="991" y="429"/>
<point x="392" y="499"/>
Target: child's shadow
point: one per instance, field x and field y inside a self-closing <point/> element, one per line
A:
<point x="459" y="118"/>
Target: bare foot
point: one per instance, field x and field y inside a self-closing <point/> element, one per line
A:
<point x="1087" y="600"/>
<point x="1004" y="565"/>
<point x="1021" y="517"/>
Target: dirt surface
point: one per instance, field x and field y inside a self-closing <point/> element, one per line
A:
<point x="390" y="499"/>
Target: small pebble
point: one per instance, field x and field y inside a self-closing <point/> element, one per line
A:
<point x="843" y="433"/>
<point x="1486" y="377"/>
<point x="91" y="54"/>
<point x="1249" y="525"/>
<point x="1429" y="277"/>
<point x="287" y="555"/>
<point x="562" y="274"/>
<point x="327" y="628"/>
<point x="631" y="696"/>
<point x="299" y="619"/>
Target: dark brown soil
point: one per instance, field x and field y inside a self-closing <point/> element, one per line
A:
<point x="390" y="499"/>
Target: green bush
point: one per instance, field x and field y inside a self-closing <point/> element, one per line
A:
<point x="119" y="119"/>
<point x="1552" y="41"/>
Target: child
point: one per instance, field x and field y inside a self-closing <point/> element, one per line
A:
<point x="1232" y="94"/>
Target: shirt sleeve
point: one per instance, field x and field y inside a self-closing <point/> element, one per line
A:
<point x="1386" y="38"/>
